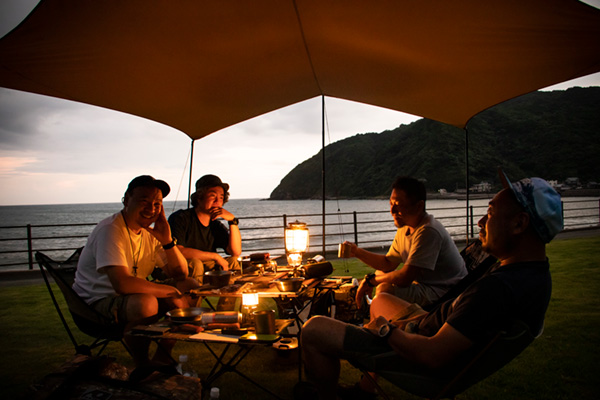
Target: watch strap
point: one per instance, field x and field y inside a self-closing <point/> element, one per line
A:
<point x="170" y="245"/>
<point x="368" y="278"/>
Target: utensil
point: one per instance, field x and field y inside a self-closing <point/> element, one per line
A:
<point x="187" y="315"/>
<point x="289" y="284"/>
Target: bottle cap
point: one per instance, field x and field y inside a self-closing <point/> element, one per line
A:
<point x="183" y="358"/>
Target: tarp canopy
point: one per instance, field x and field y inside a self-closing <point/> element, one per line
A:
<point x="201" y="66"/>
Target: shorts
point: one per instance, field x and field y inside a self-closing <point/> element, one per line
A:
<point x="417" y="293"/>
<point x="114" y="308"/>
<point x="361" y="346"/>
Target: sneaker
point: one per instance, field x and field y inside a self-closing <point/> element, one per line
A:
<point x="354" y="392"/>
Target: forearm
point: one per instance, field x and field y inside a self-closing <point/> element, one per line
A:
<point x="235" y="241"/>
<point x="403" y="277"/>
<point x="432" y="352"/>
<point x="134" y="285"/>
<point x="377" y="261"/>
<point x="177" y="266"/>
<point x="189" y="253"/>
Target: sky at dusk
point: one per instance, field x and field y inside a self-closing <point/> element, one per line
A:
<point x="56" y="151"/>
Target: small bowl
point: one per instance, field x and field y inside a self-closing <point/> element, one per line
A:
<point x="289" y="284"/>
<point x="217" y="278"/>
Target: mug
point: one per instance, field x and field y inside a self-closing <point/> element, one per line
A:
<point x="264" y="322"/>
<point x="344" y="250"/>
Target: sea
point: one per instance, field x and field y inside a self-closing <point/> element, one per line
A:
<point x="261" y="223"/>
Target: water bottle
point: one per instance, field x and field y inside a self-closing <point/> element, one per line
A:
<point x="214" y="393"/>
<point x="184" y="367"/>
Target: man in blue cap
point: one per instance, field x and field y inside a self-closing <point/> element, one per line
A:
<point x="520" y="220"/>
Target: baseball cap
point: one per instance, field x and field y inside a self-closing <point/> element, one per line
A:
<point x="148" y="181"/>
<point x="540" y="201"/>
<point x="211" y="181"/>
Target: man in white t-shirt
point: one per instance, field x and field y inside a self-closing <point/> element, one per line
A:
<point x="121" y="252"/>
<point x="432" y="262"/>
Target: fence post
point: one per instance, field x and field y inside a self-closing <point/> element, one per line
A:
<point x="471" y="216"/>
<point x="562" y="211"/>
<point x="29" y="246"/>
<point x="355" y="228"/>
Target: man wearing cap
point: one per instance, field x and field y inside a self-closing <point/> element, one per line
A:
<point x="121" y="252"/>
<point x="520" y="220"/>
<point x="200" y="234"/>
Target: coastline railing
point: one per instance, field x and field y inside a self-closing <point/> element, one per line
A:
<point x="369" y="229"/>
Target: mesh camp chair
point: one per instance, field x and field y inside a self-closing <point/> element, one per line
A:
<point x="478" y="262"/>
<point x="456" y="378"/>
<point x="88" y="320"/>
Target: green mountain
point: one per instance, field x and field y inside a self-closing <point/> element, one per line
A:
<point x="553" y="135"/>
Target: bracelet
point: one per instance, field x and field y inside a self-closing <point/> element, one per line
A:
<point x="368" y="278"/>
<point x="170" y="245"/>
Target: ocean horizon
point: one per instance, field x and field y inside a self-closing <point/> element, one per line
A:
<point x="261" y="222"/>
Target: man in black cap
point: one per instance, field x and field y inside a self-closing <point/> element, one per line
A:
<point x="121" y="252"/>
<point x="199" y="234"/>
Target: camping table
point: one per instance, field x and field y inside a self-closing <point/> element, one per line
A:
<point x="292" y="305"/>
<point x="227" y="360"/>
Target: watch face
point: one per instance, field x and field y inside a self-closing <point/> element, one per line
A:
<point x="384" y="330"/>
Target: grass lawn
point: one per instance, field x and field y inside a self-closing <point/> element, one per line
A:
<point x="562" y="364"/>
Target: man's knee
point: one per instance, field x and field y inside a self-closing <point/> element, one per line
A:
<point x="141" y="305"/>
<point x="313" y="329"/>
<point x="196" y="269"/>
<point x="384" y="288"/>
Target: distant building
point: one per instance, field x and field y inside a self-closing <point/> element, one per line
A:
<point x="481" y="187"/>
<point x="572" y="183"/>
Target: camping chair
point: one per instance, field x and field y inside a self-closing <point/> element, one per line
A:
<point x="478" y="262"/>
<point x="88" y="320"/>
<point x="459" y="376"/>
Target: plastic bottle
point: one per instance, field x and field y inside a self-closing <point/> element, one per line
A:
<point x="214" y="393"/>
<point x="184" y="367"/>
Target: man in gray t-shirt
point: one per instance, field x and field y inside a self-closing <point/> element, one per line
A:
<point x="432" y="262"/>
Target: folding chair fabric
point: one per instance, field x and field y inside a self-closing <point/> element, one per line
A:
<point x="88" y="320"/>
<point x="459" y="376"/>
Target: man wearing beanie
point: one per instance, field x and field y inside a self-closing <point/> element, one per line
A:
<point x="520" y="220"/>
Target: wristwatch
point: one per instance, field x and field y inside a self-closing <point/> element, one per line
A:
<point x="386" y="330"/>
<point x="368" y="278"/>
<point x="170" y="245"/>
<point x="234" y="221"/>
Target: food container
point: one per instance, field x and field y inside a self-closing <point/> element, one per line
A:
<point x="187" y="315"/>
<point x="289" y="284"/>
<point x="217" y="278"/>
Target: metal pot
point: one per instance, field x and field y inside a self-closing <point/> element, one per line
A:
<point x="217" y="278"/>
<point x="187" y="315"/>
<point x="289" y="284"/>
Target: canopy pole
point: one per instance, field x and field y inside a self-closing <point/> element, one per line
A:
<point x="323" y="163"/>
<point x="190" y="178"/>
<point x="467" y="182"/>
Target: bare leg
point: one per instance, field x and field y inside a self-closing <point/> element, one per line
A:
<point x="386" y="305"/>
<point x="322" y="342"/>
<point x="141" y="308"/>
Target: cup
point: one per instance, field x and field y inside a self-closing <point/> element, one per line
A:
<point x="264" y="322"/>
<point x="344" y="250"/>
